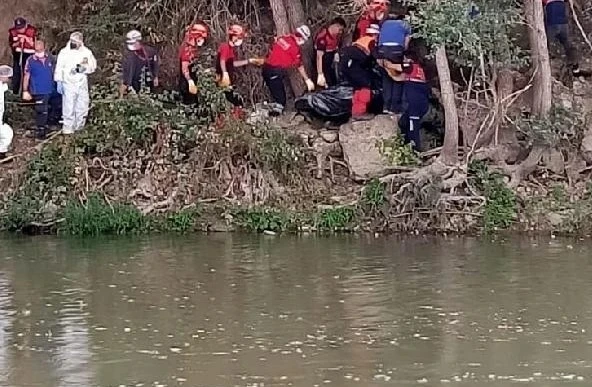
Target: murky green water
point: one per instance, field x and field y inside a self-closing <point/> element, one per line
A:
<point x="261" y="311"/>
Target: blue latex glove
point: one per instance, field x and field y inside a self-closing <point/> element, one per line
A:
<point x="60" y="88"/>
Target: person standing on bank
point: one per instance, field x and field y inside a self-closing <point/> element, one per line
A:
<point x="327" y="43"/>
<point x="227" y="63"/>
<point x="557" y="25"/>
<point x="374" y="13"/>
<point x="21" y="39"/>
<point x="194" y="38"/>
<point x="140" y="65"/>
<point x="75" y="63"/>
<point x="38" y="85"/>
<point x="285" y="54"/>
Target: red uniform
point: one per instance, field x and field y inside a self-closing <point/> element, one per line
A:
<point x="326" y="42"/>
<point x="417" y="73"/>
<point x="22" y="41"/>
<point x="226" y="55"/>
<point x="285" y="53"/>
<point x="362" y="24"/>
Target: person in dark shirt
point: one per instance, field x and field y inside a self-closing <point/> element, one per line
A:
<point x="557" y="25"/>
<point x="39" y="86"/>
<point x="140" y="65"/>
<point x="327" y="42"/>
<point x="226" y="64"/>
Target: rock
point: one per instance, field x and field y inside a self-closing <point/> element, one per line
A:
<point x="586" y="146"/>
<point x="553" y="160"/>
<point x="554" y="219"/>
<point x="329" y="136"/>
<point x="322" y="151"/>
<point x="359" y="142"/>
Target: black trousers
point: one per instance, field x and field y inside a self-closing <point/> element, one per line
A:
<point x="234" y="98"/>
<point x="329" y="68"/>
<point x="355" y="68"/>
<point x="186" y="97"/>
<point x="47" y="111"/>
<point x="393" y="94"/>
<point x="274" y="79"/>
<point x="18" y="66"/>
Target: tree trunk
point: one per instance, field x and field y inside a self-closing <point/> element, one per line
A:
<point x="297" y="17"/>
<point x="449" y="153"/>
<point x="542" y="90"/>
<point x="280" y="17"/>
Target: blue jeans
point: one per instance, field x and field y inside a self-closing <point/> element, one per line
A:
<point x="560" y="33"/>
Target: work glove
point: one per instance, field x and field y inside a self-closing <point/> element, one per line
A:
<point x="60" y="88"/>
<point x="321" y="81"/>
<point x="192" y="87"/>
<point x="310" y="85"/>
<point x="257" y="61"/>
<point x="225" y="81"/>
<point x="336" y="60"/>
<point x="27" y="96"/>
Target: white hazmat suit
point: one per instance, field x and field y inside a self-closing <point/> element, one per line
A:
<point x="72" y="69"/>
<point x="6" y="133"/>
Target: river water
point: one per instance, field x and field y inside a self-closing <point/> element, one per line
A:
<point x="231" y="310"/>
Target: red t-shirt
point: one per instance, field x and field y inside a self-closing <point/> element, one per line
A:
<point x="187" y="53"/>
<point x="327" y="42"/>
<point x="285" y="53"/>
<point x="225" y="54"/>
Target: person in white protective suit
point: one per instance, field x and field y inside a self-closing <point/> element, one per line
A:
<point x="75" y="62"/>
<point x="5" y="130"/>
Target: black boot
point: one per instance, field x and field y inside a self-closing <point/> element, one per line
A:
<point x="41" y="133"/>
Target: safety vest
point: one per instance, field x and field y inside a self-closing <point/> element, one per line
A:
<point x="417" y="74"/>
<point x="365" y="43"/>
<point x="23" y="42"/>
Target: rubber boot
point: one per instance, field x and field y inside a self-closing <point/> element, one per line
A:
<point x="360" y="101"/>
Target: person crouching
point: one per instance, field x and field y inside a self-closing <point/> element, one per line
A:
<point x="285" y="54"/>
<point x="355" y="64"/>
<point x="417" y="95"/>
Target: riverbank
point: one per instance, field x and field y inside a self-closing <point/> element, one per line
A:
<point x="147" y="165"/>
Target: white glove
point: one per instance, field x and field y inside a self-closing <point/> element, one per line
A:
<point x="336" y="60"/>
<point x="310" y="85"/>
<point x="321" y="81"/>
<point x="192" y="87"/>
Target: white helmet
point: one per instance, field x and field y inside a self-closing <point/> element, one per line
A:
<point x="77" y="37"/>
<point x="6" y="71"/>
<point x="303" y="31"/>
<point x="133" y="36"/>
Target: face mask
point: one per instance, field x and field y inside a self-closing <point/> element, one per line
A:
<point x="73" y="46"/>
<point x="40" y="54"/>
<point x="200" y="42"/>
<point x="238" y="43"/>
<point x="300" y="41"/>
<point x="379" y="15"/>
<point x="132" y="47"/>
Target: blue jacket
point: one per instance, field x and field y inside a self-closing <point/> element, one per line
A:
<point x="555" y="12"/>
<point x="41" y="75"/>
<point x="394" y="32"/>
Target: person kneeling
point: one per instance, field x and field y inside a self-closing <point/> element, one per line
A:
<point x="355" y="66"/>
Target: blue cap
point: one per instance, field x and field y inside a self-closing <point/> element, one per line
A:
<point x="20" y="22"/>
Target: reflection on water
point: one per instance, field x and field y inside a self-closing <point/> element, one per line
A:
<point x="228" y="310"/>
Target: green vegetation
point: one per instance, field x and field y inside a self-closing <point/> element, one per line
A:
<point x="396" y="153"/>
<point x="261" y="219"/>
<point x="335" y="219"/>
<point x="500" y="209"/>
<point x="373" y="196"/>
<point x="98" y="217"/>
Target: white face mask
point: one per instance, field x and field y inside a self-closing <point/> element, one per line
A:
<point x="200" y="42"/>
<point x="379" y="15"/>
<point x="237" y="43"/>
<point x="300" y="41"/>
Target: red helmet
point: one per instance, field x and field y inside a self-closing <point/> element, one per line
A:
<point x="237" y="30"/>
